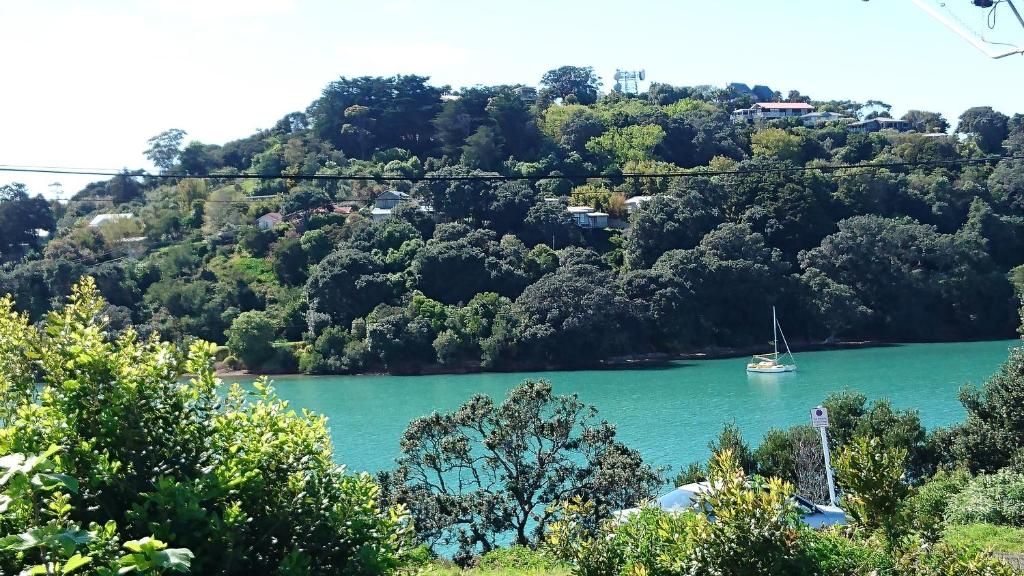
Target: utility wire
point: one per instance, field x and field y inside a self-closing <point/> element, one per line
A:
<point x="696" y="172"/>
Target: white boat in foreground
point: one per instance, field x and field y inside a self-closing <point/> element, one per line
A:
<point x="772" y="363"/>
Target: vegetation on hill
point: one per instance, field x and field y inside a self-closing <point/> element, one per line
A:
<point x="496" y="274"/>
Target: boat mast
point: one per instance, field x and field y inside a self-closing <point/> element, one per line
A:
<point x="775" y="334"/>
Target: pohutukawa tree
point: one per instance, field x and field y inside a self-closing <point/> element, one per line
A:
<point x="488" y="474"/>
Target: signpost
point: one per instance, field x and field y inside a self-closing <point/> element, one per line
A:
<point x="819" y="420"/>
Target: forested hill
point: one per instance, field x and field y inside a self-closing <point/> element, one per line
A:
<point x="854" y="225"/>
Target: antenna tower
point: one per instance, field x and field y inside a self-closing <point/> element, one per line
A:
<point x="626" y="81"/>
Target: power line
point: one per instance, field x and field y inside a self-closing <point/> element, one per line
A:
<point x="696" y="172"/>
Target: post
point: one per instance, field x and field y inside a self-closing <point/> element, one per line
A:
<point x="819" y="420"/>
<point x="828" y="467"/>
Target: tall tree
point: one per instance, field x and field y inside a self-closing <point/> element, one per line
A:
<point x="489" y="472"/>
<point x="988" y="128"/>
<point x="573" y="84"/>
<point x="924" y="121"/>
<point x="164" y="148"/>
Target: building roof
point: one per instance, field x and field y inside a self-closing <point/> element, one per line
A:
<point x="596" y="214"/>
<point x="271" y="216"/>
<point x="638" y="199"/>
<point x="393" y="195"/>
<point x="380" y="211"/>
<point x="580" y="209"/>
<point x="102" y="219"/>
<point x="784" y="105"/>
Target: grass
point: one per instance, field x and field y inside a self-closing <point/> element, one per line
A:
<point x="1008" y="539"/>
<point x="440" y="570"/>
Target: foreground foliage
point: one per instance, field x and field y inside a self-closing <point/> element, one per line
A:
<point x="236" y="477"/>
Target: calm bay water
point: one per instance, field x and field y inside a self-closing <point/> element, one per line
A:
<point x="669" y="413"/>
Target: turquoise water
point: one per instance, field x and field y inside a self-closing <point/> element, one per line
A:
<point x="668" y="413"/>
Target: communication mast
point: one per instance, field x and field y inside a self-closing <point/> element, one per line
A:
<point x="626" y="80"/>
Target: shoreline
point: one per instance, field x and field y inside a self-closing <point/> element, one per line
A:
<point x="614" y="363"/>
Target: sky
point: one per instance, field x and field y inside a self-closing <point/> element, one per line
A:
<point x="85" y="84"/>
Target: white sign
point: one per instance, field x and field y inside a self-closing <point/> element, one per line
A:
<point x="819" y="417"/>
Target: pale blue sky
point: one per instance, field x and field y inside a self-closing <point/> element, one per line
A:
<point x="86" y="83"/>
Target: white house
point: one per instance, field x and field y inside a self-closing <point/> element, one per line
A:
<point x="769" y="110"/>
<point x="269" y="220"/>
<point x="819" y="118"/>
<point x="635" y="202"/>
<point x="102" y="219"/>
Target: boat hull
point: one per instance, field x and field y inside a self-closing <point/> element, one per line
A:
<point x="771" y="369"/>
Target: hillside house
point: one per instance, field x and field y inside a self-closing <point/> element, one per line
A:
<point x="770" y="110"/>
<point x="635" y="202"/>
<point x="818" y="118"/>
<point x="102" y="219"/>
<point x="587" y="217"/>
<point x="876" y="124"/>
<point x="269" y="220"/>
<point x="390" y="199"/>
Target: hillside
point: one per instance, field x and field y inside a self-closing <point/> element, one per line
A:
<point x="400" y="226"/>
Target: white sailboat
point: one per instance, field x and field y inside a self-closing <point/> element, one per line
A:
<point x="771" y="363"/>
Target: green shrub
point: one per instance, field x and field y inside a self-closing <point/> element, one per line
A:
<point x="236" y="476"/>
<point x="748" y="531"/>
<point x="946" y="560"/>
<point x="519" y="558"/>
<point x="871" y="475"/>
<point x="927" y="507"/>
<point x="831" y="553"/>
<point x="993" y="498"/>
<point x="251" y="338"/>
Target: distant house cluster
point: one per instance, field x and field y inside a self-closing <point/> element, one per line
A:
<point x="810" y="118"/>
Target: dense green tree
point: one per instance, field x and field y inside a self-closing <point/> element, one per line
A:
<point x="993" y="432"/>
<point x="401" y="110"/>
<point x="515" y="459"/>
<point x="924" y="121"/>
<point x="461" y="117"/>
<point x="573" y="84"/>
<point x="671" y="222"/>
<point x="483" y="149"/>
<point x="164" y="149"/>
<point x="918" y="284"/>
<point x="20" y="218"/>
<point x="988" y="128"/>
<point x="344" y="286"/>
<point x="305" y="198"/>
<point x="574" y="316"/>
<point x="251" y="338"/>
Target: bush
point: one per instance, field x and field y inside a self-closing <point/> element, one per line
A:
<point x="872" y="477"/>
<point x="831" y="553"/>
<point x="236" y="476"/>
<point x="927" y="507"/>
<point x="994" y="499"/>
<point x="946" y="560"/>
<point x="518" y="558"/>
<point x="748" y="531"/>
<point x="251" y="338"/>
